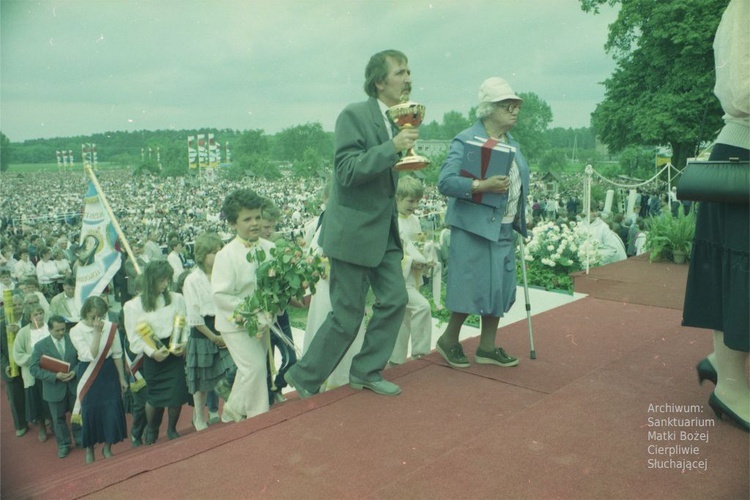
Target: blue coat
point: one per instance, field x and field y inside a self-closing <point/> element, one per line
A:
<point x="482" y="220"/>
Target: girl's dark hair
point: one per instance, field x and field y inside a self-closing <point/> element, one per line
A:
<point x="94" y="303"/>
<point x="155" y="272"/>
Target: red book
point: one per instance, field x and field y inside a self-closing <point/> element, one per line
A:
<point x="53" y="364"/>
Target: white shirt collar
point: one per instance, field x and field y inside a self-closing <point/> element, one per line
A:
<point x="388" y="127"/>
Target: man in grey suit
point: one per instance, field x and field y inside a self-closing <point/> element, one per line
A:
<point x="360" y="236"/>
<point x="58" y="389"/>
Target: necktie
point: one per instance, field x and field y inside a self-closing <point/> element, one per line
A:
<point x="61" y="347"/>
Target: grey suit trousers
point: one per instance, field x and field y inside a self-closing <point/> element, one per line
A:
<point x="349" y="286"/>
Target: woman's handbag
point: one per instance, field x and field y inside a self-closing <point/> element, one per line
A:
<point x="715" y="181"/>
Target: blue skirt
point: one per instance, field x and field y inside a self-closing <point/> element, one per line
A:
<point x="102" y="409"/>
<point x="481" y="273"/>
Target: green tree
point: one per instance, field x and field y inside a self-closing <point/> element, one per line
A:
<point x="248" y="148"/>
<point x="174" y="160"/>
<point x="291" y="144"/>
<point x="310" y="165"/>
<point x="552" y="159"/>
<point x="251" y="142"/>
<point x="530" y="130"/>
<point x="661" y="90"/>
<point x="4" y="152"/>
<point x="635" y="162"/>
<point x="262" y="166"/>
<point x="453" y="123"/>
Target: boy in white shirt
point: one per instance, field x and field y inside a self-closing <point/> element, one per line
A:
<point x="417" y="323"/>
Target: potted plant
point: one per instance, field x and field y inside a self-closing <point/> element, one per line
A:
<point x="670" y="238"/>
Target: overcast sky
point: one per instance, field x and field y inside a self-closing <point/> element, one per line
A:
<point x="78" y="67"/>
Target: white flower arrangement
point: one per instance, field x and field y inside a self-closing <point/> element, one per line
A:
<point x="564" y="247"/>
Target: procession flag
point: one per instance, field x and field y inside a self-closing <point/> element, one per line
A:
<point x="202" y="151"/>
<point x="213" y="152"/>
<point x="98" y="259"/>
<point x="192" y="152"/>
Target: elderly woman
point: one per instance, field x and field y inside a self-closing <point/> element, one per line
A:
<point x="37" y="409"/>
<point x="482" y="270"/>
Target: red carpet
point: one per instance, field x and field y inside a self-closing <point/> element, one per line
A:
<point x="572" y="423"/>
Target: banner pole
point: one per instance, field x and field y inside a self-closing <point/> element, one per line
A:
<point x="115" y="224"/>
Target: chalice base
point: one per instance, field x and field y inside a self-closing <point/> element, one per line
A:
<point x="409" y="163"/>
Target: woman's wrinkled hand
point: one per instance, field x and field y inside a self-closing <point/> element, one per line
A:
<point x="495" y="184"/>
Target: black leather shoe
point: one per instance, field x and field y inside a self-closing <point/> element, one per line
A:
<point x="63" y="451"/>
<point x="706" y="371"/>
<point x="136" y="441"/>
<point x="721" y="409"/>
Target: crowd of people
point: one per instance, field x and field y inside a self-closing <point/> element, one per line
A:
<point x="99" y="362"/>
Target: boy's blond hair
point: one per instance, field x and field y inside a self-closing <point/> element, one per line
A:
<point x="409" y="187"/>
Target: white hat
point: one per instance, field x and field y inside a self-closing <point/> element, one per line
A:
<point x="496" y="89"/>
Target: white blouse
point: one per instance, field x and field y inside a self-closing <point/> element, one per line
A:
<point x="81" y="336"/>
<point x="233" y="278"/>
<point x="38" y="334"/>
<point x="199" y="300"/>
<point x="160" y="320"/>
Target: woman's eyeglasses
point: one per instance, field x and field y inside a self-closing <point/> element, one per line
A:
<point x="510" y="107"/>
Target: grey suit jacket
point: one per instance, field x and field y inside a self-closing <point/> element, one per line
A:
<point x="52" y="389"/>
<point x="362" y="207"/>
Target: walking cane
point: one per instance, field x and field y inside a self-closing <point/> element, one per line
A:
<point x="532" y="353"/>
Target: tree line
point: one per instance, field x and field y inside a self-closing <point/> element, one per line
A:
<point x="307" y="148"/>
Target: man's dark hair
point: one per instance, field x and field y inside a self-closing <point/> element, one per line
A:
<point x="55" y="319"/>
<point x="377" y="69"/>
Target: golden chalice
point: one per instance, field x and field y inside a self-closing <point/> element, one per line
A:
<point x="405" y="115"/>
